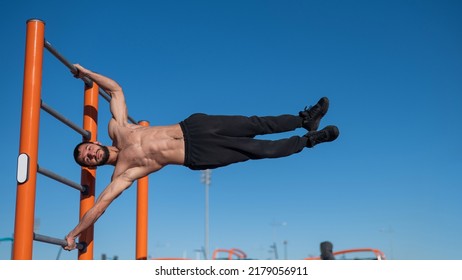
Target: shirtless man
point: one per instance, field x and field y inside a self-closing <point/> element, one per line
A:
<point x="199" y="142"/>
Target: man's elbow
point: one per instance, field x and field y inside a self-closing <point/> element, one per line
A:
<point x="116" y="92"/>
<point x="116" y="88"/>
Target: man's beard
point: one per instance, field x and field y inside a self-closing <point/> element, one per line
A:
<point x="105" y="157"/>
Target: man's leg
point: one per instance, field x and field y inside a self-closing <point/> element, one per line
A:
<point x="241" y="126"/>
<point x="252" y="126"/>
<point x="218" y="151"/>
<point x="215" y="141"/>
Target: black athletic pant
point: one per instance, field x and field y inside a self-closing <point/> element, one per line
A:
<point x="215" y="141"/>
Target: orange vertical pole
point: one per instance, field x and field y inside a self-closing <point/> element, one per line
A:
<point x="142" y="215"/>
<point x="28" y="146"/>
<point x="88" y="177"/>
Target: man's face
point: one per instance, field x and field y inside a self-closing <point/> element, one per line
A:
<point x="92" y="154"/>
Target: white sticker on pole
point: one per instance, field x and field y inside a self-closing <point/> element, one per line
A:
<point x="23" y="168"/>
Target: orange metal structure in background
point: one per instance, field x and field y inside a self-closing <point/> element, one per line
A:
<point x="142" y="215"/>
<point x="28" y="156"/>
<point x="234" y="252"/>
<point x="88" y="176"/>
<point x="28" y="147"/>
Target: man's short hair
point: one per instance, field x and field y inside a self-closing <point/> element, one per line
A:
<point x="77" y="154"/>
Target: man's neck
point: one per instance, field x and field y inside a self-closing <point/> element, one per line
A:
<point x="113" y="155"/>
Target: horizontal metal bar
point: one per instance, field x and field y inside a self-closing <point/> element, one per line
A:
<point x="73" y="69"/>
<point x="104" y="94"/>
<point x="55" y="241"/>
<point x="61" y="179"/>
<point x="69" y="65"/>
<point x="85" y="133"/>
<point x="132" y="120"/>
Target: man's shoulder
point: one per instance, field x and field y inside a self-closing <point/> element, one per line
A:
<point x="116" y="127"/>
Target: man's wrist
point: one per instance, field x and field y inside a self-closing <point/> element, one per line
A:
<point x="85" y="72"/>
<point x="71" y="236"/>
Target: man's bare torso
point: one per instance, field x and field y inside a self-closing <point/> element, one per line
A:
<point x="143" y="150"/>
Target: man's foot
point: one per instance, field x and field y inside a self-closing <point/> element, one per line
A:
<point x="327" y="134"/>
<point x="312" y="116"/>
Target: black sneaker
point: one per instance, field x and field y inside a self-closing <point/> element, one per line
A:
<point x="312" y="116"/>
<point x="327" y="134"/>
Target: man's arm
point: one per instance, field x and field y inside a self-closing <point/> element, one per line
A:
<point x="112" y="191"/>
<point x="118" y="105"/>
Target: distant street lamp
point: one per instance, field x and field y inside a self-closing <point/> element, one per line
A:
<point x="276" y="225"/>
<point x="206" y="179"/>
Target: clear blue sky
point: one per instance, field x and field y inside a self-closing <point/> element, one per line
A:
<point x="392" y="70"/>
